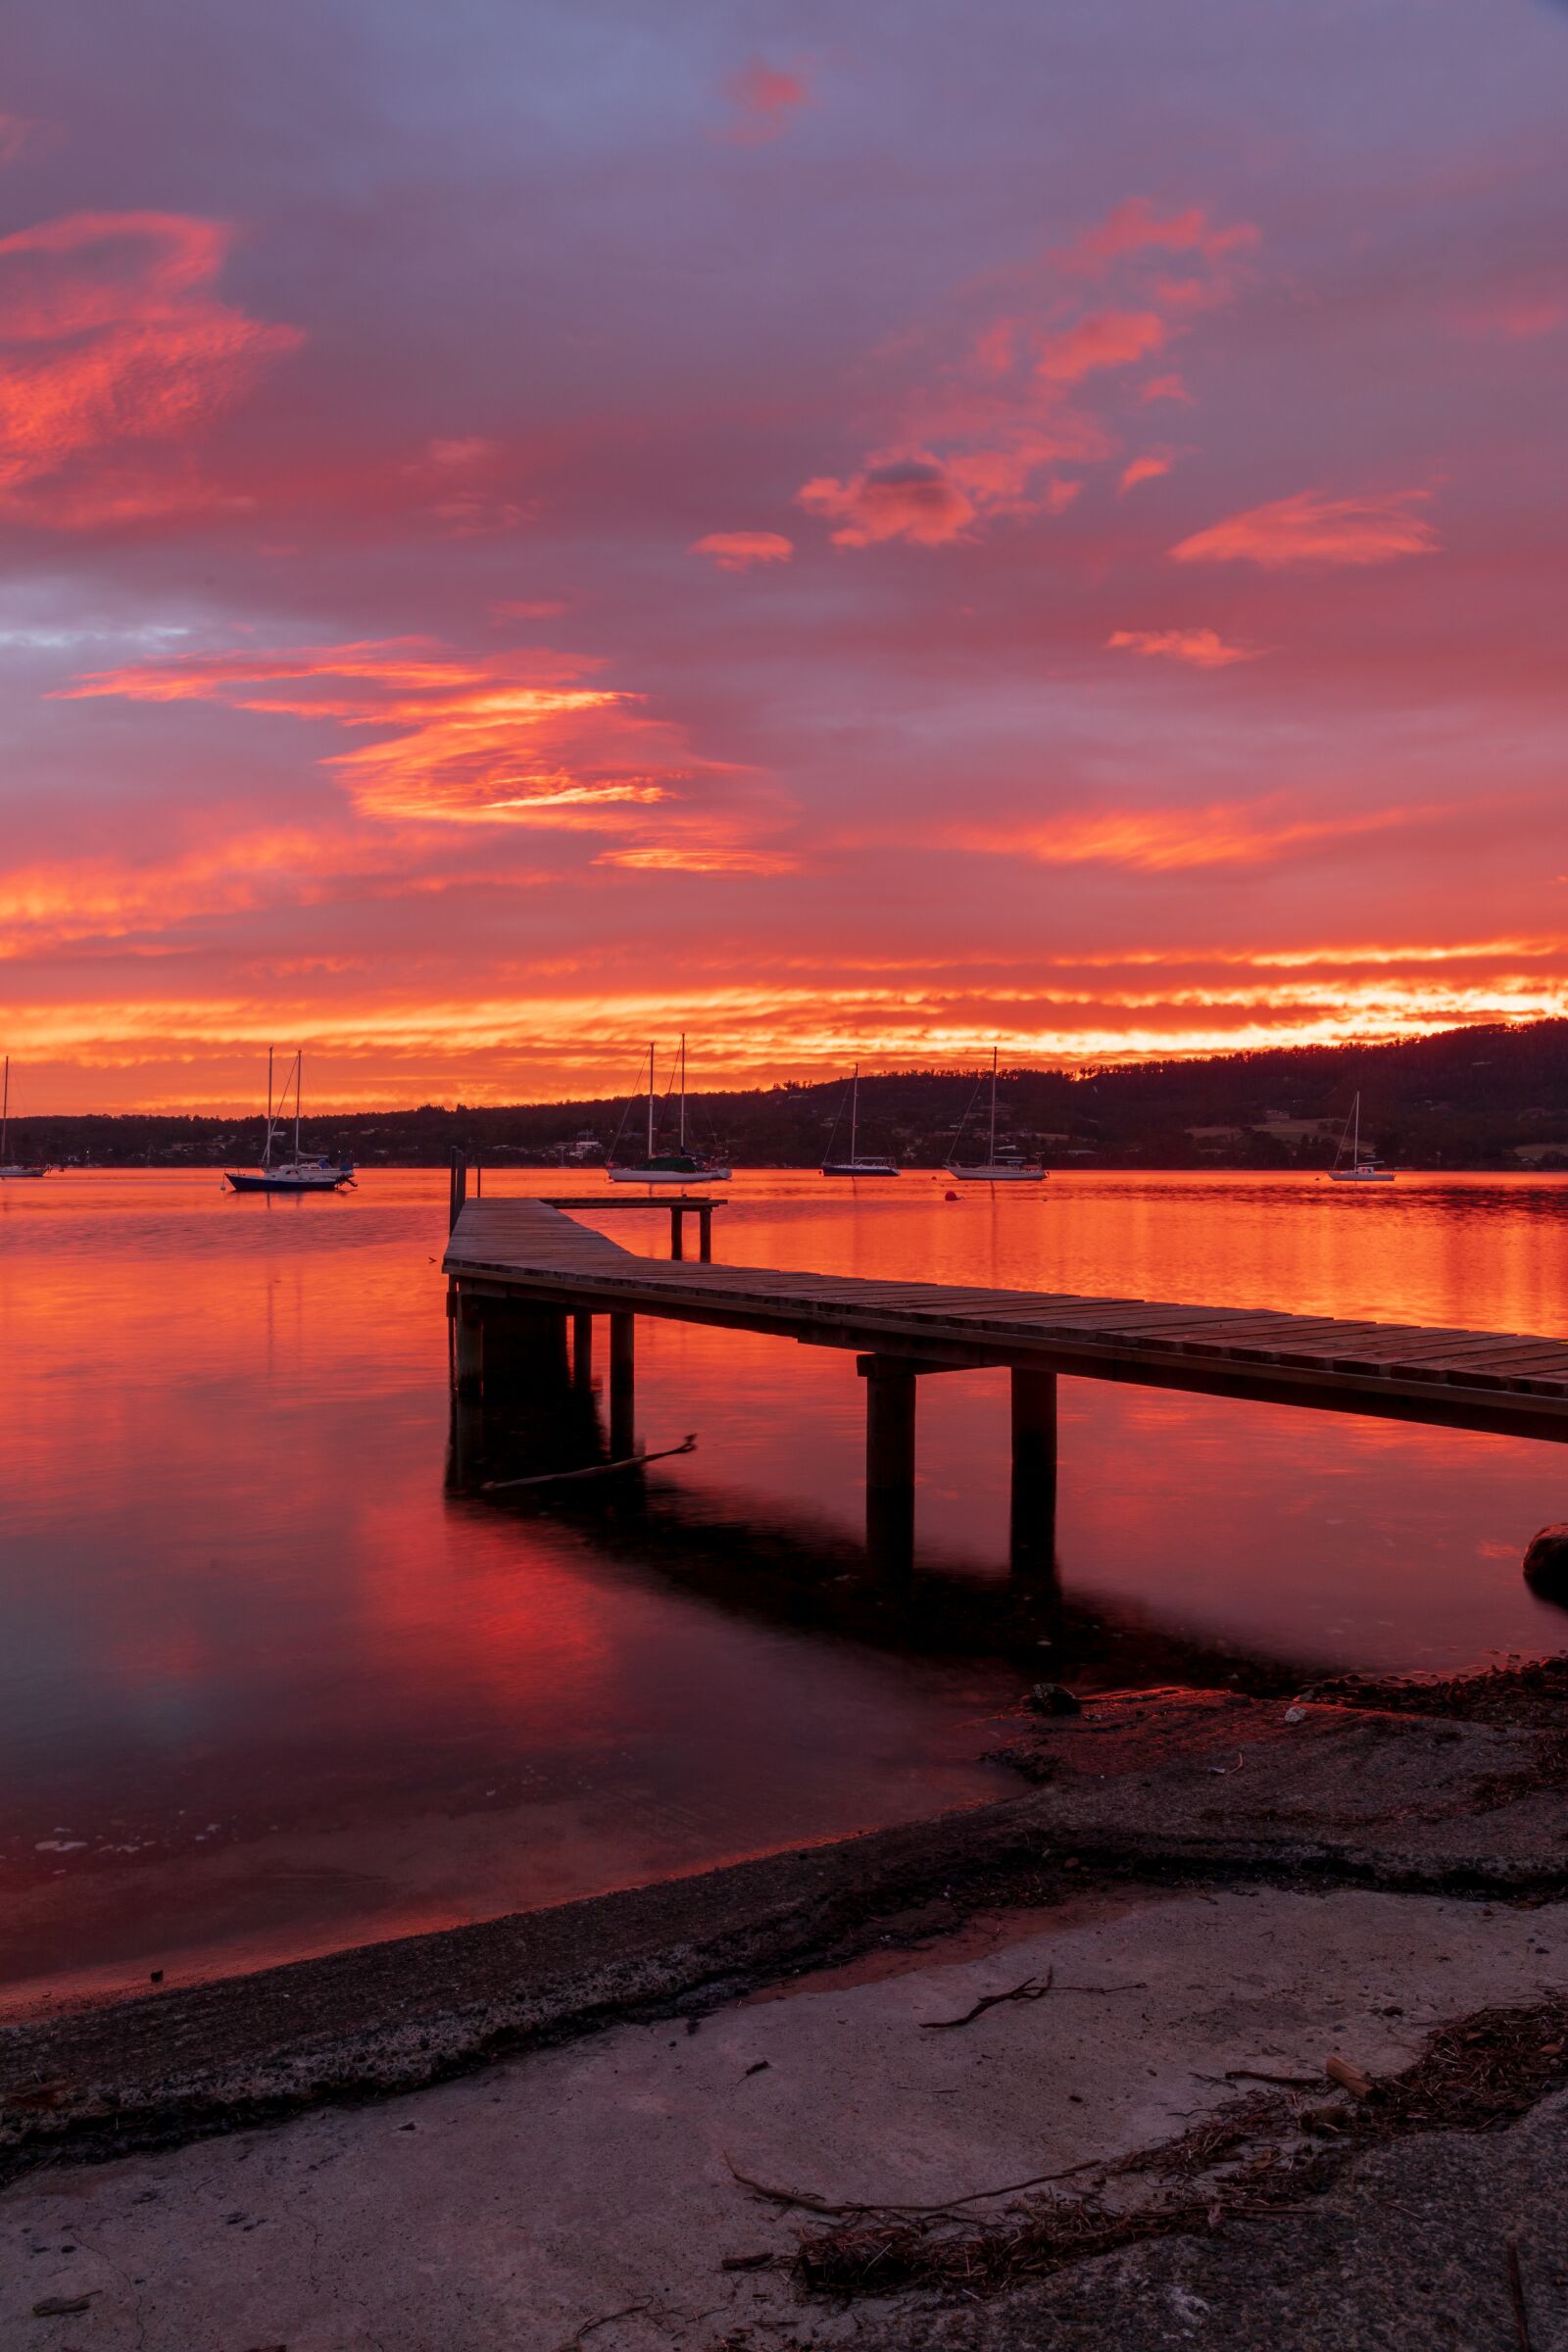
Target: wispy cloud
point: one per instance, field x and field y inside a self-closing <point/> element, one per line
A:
<point x="1201" y="648"/>
<point x="1004" y="407"/>
<point x="114" y="358"/>
<point x="1312" y="528"/>
<point x="1166" y="840"/>
<point x="766" y="99"/>
<point x="739" y="551"/>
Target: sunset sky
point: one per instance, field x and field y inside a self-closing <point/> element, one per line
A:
<point x="852" y="532"/>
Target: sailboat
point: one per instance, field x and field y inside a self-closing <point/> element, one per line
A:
<point x="1004" y="1166"/>
<point x="299" y="1174"/>
<point x="1362" y="1167"/>
<point x="679" y="1166"/>
<point x="855" y="1165"/>
<point x="10" y="1169"/>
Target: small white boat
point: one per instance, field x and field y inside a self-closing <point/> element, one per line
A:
<point x="299" y="1174"/>
<point x="855" y="1165"/>
<point x="679" y="1166"/>
<point x="1361" y="1167"/>
<point x="14" y="1170"/>
<point x="1004" y="1165"/>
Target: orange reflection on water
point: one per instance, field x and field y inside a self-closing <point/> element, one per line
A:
<point x="269" y="1685"/>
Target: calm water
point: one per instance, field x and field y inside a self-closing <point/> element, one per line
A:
<point x="270" y="1685"/>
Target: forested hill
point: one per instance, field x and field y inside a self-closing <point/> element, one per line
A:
<point x="1479" y="1098"/>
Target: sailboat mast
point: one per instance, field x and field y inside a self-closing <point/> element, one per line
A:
<point x="684" y="1090"/>
<point x="267" y="1154"/>
<point x="299" y="1074"/>
<point x="992" y="1160"/>
<point x="5" y="1112"/>
<point x="650" y="1100"/>
<point x="855" y="1115"/>
<point x="1355" y="1148"/>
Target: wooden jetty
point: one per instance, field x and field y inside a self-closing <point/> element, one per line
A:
<point x="518" y="1267"/>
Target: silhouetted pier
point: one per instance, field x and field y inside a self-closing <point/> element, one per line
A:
<point x="517" y="1268"/>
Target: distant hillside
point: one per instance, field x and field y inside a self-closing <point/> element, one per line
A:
<point x="1484" y="1098"/>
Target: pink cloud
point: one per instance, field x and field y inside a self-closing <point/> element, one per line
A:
<point x="1166" y="387"/>
<point x="1201" y="647"/>
<point x="1006" y="397"/>
<point x="1314" y="529"/>
<point x="738" y="551"/>
<point x="1105" y="340"/>
<point x="1148" y="469"/>
<point x="110" y="344"/>
<point x="1136" y="227"/>
<point x="911" y="498"/>
<point x="764" y="98"/>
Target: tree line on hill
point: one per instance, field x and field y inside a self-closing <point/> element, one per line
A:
<point x="1475" y="1098"/>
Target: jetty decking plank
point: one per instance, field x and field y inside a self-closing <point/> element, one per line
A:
<point x="532" y="1245"/>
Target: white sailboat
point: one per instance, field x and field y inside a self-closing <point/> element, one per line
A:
<point x="855" y="1165"/>
<point x="1362" y="1167"/>
<point x="12" y="1169"/>
<point x="1004" y="1166"/>
<point x="299" y="1174"/>
<point x="679" y="1166"/>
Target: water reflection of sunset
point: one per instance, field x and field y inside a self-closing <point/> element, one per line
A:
<point x="269" y="1687"/>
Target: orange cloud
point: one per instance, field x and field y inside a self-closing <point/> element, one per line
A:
<point x="1142" y="470"/>
<point x="111" y="342"/>
<point x="765" y="98"/>
<point x="1003" y="401"/>
<point x="738" y="551"/>
<point x="473" y="741"/>
<point x="492" y="739"/>
<point x="1199" y="646"/>
<point x="1314" y="529"/>
<point x="1165" y="839"/>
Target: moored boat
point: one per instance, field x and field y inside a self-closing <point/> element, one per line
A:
<point x="1004" y="1163"/>
<point x="857" y="1163"/>
<point x="302" y="1173"/>
<point x="1361" y="1167"/>
<point x="10" y="1170"/>
<point x="679" y="1166"/>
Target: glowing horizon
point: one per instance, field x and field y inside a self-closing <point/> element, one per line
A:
<point x="855" y="547"/>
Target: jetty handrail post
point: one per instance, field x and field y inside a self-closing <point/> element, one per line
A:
<point x="705" y="1236"/>
<point x="677" y="1230"/>
<point x="890" y="1389"/>
<point x="1032" y="1546"/>
<point x="622" y="1387"/>
<point x="458" y="1188"/>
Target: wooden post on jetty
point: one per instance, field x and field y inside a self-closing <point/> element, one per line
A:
<point x="470" y="1347"/>
<point x="889" y="1463"/>
<point x="677" y="1231"/>
<point x="622" y="1387"/>
<point x="456" y="1189"/>
<point x="705" y="1236"/>
<point x="582" y="1350"/>
<point x="1033" y="1544"/>
<point x="523" y="1345"/>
